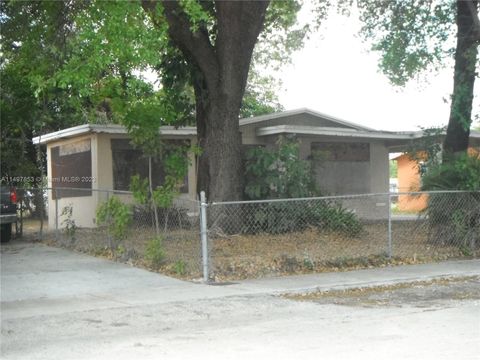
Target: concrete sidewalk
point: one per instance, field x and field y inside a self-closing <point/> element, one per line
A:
<point x="362" y="278"/>
<point x="37" y="279"/>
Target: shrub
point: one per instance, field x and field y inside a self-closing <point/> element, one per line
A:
<point x="454" y="218"/>
<point x="180" y="267"/>
<point x="281" y="174"/>
<point x="154" y="252"/>
<point x="69" y="223"/>
<point x="116" y="215"/>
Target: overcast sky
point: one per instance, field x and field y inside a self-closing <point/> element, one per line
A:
<point x="337" y="75"/>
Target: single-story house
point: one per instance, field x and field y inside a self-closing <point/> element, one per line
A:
<point x="94" y="157"/>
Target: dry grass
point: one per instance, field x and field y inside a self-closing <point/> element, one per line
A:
<point x="242" y="256"/>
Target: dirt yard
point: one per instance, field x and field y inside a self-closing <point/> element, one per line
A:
<point x="242" y="256"/>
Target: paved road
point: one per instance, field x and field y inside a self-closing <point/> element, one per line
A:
<point x="56" y="304"/>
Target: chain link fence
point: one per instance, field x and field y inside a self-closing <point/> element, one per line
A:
<point x="112" y="224"/>
<point x="274" y="237"/>
<point x="250" y="239"/>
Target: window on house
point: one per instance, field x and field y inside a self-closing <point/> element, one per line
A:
<point x="338" y="151"/>
<point x="128" y="161"/>
<point x="72" y="169"/>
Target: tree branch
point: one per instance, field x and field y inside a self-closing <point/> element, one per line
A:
<point x="196" y="46"/>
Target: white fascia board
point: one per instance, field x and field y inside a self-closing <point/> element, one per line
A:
<point x="62" y="134"/>
<point x="258" y="119"/>
<point x="311" y="130"/>
<point x="107" y="129"/>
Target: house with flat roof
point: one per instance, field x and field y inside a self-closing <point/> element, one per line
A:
<point x="90" y="157"/>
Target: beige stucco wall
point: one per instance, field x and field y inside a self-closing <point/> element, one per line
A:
<point x="83" y="207"/>
<point x="338" y="178"/>
<point x="379" y="168"/>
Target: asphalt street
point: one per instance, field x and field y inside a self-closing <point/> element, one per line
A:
<point x="56" y="304"/>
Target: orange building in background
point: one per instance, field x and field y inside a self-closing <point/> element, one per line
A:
<point x="409" y="180"/>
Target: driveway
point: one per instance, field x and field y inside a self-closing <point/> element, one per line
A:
<point x="56" y="304"/>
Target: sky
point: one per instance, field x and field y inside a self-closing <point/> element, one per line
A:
<point x="335" y="73"/>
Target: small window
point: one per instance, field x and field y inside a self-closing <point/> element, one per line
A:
<point x="339" y="151"/>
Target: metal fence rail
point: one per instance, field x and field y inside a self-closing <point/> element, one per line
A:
<point x="232" y="240"/>
<point x="166" y="239"/>
<point x="284" y="236"/>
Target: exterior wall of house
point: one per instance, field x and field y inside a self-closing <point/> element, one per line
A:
<point x="350" y="177"/>
<point x="83" y="207"/>
<point x="339" y="177"/>
<point x="379" y="168"/>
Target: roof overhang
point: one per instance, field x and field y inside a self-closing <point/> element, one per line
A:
<point x="394" y="141"/>
<point x="188" y="131"/>
<point x="340" y="132"/>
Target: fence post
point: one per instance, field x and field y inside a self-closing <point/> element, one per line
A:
<point x="389" y="225"/>
<point x="203" y="235"/>
<point x="109" y="236"/>
<point x="56" y="215"/>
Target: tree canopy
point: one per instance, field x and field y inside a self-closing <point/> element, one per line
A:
<point x="82" y="61"/>
<point x="419" y="35"/>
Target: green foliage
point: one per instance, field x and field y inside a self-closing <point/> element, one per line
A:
<point x="333" y="216"/>
<point x="69" y="226"/>
<point x="426" y="150"/>
<point x="180" y="267"/>
<point x="154" y="252"/>
<point x="281" y="36"/>
<point x="412" y="36"/>
<point x="175" y="162"/>
<point x="116" y="215"/>
<point x="139" y="188"/>
<point x="278" y="173"/>
<point x="454" y="217"/>
<point x="260" y="96"/>
<point x="393" y="169"/>
<point x="284" y="217"/>
<point x="461" y="174"/>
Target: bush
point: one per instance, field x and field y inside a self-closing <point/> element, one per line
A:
<point x="281" y="174"/>
<point x="462" y="173"/>
<point x="154" y="252"/>
<point x="116" y="215"/>
<point x="454" y="218"/>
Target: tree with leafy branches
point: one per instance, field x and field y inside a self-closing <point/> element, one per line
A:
<point x="102" y="46"/>
<point x="417" y="35"/>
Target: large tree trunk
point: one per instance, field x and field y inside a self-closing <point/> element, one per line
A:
<point x="458" y="130"/>
<point x="220" y="71"/>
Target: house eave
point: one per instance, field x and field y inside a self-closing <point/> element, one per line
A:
<point x="338" y="132"/>
<point x="188" y="131"/>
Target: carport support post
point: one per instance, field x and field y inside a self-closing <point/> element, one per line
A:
<point x="389" y="225"/>
<point x="203" y="235"/>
